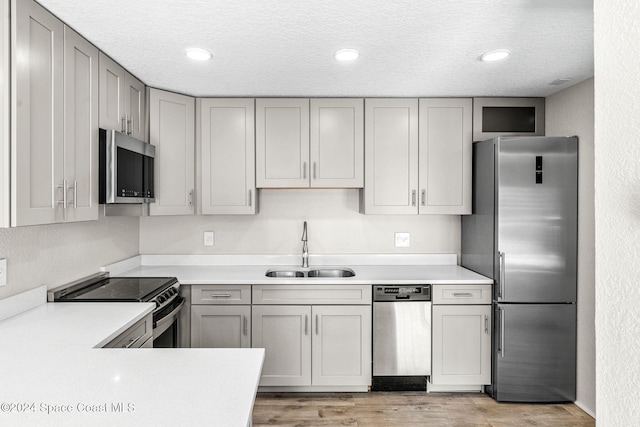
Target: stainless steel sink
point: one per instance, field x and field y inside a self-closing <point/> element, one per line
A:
<point x="316" y="272"/>
<point x="331" y="272"/>
<point x="284" y="273"/>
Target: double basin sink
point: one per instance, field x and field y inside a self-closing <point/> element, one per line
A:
<point x="316" y="272"/>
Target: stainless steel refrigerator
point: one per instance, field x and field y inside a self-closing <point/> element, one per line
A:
<point x="523" y="234"/>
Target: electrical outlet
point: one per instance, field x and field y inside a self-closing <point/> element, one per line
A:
<point x="209" y="238"/>
<point x="3" y="272"/>
<point x="403" y="240"/>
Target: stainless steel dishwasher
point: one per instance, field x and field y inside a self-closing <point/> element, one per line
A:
<point x="401" y="337"/>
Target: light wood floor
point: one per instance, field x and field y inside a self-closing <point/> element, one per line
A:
<point x="408" y="409"/>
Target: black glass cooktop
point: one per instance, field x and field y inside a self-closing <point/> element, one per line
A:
<point x="120" y="289"/>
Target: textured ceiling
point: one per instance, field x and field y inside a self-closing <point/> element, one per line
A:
<point x="285" y="47"/>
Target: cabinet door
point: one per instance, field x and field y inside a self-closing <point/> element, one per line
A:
<point x="37" y="114"/>
<point x="112" y="107"/>
<point x="285" y="334"/>
<point x="5" y="85"/>
<point x="461" y="345"/>
<point x="337" y="143"/>
<point x="228" y="156"/>
<point x="282" y="143"/>
<point x="391" y="156"/>
<point x="220" y="326"/>
<point x="80" y="127"/>
<point x="445" y="156"/>
<point x="135" y="105"/>
<point x="172" y="132"/>
<point x="341" y="345"/>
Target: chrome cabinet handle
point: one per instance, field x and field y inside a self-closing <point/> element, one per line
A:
<point x="502" y="274"/>
<point x="306" y="324"/>
<point x="317" y="327"/>
<point x="304" y="170"/>
<point x="250" y="198"/>
<point x="462" y="294"/>
<point x="132" y="342"/>
<point x="486" y="324"/>
<point x="314" y="170"/>
<point x="75" y="195"/>
<point x="413" y="197"/>
<point x="191" y="198"/>
<point x="64" y="194"/>
<point x="123" y="127"/>
<point x="131" y="126"/>
<point x="423" y="196"/>
<point x="244" y="328"/>
<point x="220" y="295"/>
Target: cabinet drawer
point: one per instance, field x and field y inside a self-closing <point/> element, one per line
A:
<point x="221" y="294"/>
<point x="461" y="294"/>
<point x="312" y="294"/>
<point x="134" y="337"/>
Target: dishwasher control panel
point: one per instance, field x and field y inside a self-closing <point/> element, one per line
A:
<point x="402" y="292"/>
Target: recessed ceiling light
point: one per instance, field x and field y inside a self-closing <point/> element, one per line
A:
<point x="198" y="54"/>
<point x="346" y="55"/>
<point x="495" y="55"/>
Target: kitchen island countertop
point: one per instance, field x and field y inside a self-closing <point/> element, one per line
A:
<point x="52" y="374"/>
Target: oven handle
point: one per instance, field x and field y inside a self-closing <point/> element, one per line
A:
<point x="169" y="317"/>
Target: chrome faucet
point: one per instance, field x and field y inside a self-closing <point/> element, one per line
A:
<point x="305" y="248"/>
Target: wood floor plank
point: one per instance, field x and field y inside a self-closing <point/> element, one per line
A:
<point x="379" y="409"/>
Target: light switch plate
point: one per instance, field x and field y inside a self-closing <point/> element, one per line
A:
<point x="3" y="272"/>
<point x="403" y="240"/>
<point x="209" y="238"/>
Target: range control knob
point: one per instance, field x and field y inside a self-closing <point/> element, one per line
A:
<point x="162" y="298"/>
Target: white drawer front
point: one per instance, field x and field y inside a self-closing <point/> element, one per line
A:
<point x="312" y="294"/>
<point x="220" y="294"/>
<point x="461" y="294"/>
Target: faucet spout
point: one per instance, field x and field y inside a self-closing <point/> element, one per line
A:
<point x="305" y="247"/>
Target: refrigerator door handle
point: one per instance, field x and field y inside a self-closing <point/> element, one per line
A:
<point x="502" y="268"/>
<point x="501" y="311"/>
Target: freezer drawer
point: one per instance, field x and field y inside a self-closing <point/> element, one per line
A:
<point x="534" y="353"/>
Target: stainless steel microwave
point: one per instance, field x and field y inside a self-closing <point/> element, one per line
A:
<point x="126" y="169"/>
<point x="494" y="117"/>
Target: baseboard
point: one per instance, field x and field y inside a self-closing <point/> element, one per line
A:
<point x="589" y="411"/>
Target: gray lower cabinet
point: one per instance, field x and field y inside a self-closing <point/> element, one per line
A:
<point x="220" y="316"/>
<point x="461" y="340"/>
<point x="308" y="342"/>
<point x="140" y="335"/>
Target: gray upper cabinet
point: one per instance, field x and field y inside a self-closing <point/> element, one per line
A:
<point x="303" y="143"/>
<point x="418" y="156"/>
<point x="391" y="156"/>
<point x="37" y="187"/>
<point x="282" y="143"/>
<point x="445" y="156"/>
<point x="337" y="143"/>
<point x="122" y="100"/>
<point x="54" y="114"/>
<point x="5" y="100"/>
<point x="228" y="156"/>
<point x="80" y="127"/>
<point x="172" y="132"/>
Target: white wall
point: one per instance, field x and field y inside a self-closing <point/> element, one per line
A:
<point x="335" y="226"/>
<point x="617" y="211"/>
<point x="570" y="112"/>
<point x="53" y="255"/>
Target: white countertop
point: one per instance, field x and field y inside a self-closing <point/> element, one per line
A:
<point x="193" y="270"/>
<point x="47" y="362"/>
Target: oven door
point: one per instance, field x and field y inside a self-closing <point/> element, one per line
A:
<point x="165" y="325"/>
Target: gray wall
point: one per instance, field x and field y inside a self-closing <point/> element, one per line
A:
<point x="617" y="211"/>
<point x="56" y="254"/>
<point x="570" y="112"/>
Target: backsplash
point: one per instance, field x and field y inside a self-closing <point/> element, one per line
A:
<point x="334" y="226"/>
